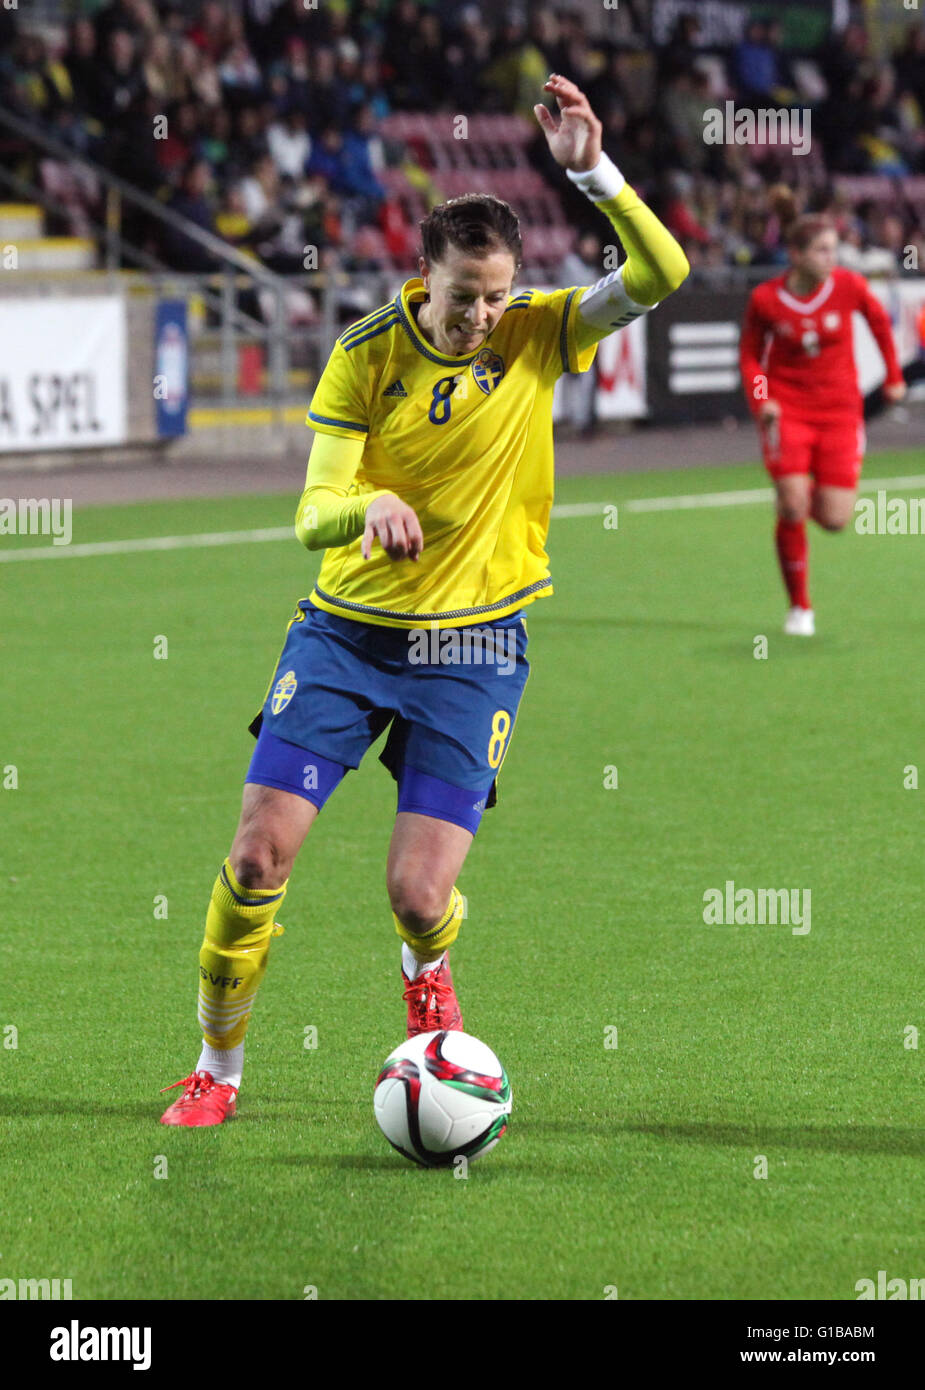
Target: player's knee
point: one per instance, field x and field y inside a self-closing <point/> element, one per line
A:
<point x="259" y="863"/>
<point x="792" y="511"/>
<point x="419" y="906"/>
<point x="831" y="523"/>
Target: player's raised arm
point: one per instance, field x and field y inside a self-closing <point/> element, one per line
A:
<point x="331" y="512"/>
<point x="655" y="265"/>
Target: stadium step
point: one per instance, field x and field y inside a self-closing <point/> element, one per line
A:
<point x="55" y="253"/>
<point x="20" y="221"/>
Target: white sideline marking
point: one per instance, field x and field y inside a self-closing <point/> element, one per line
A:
<point x="671" y="504"/>
<point x="127" y="547"/>
<point x="740" y="497"/>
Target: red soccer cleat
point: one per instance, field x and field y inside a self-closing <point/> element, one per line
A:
<point x="203" y="1102"/>
<point x="432" y="1002"/>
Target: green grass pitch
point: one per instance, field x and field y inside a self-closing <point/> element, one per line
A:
<point x="631" y="1166"/>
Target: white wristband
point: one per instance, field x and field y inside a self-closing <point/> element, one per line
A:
<point x="603" y="181"/>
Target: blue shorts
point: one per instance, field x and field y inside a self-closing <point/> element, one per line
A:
<point x="448" y="696"/>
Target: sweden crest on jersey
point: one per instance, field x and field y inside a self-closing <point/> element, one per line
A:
<point x="283" y="692"/>
<point x="488" y="369"/>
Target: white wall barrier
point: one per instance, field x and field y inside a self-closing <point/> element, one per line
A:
<point x="63" y="377"/>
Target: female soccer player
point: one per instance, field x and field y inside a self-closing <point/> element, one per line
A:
<point x="800" y="379"/>
<point x="429" y="488"/>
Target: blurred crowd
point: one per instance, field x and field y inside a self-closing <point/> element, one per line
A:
<point x="270" y="114"/>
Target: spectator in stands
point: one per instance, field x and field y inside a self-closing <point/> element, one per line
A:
<point x="290" y="143"/>
<point x="608" y="86"/>
<point x="881" y="135"/>
<point x="545" y="35"/>
<point x="762" y="237"/>
<point x="327" y="156"/>
<point x="41" y="85"/>
<point x="684" y="102"/>
<point x="857" y="251"/>
<point x="347" y="66"/>
<point x="314" y="200"/>
<point x="324" y="100"/>
<point x="232" y="222"/>
<point x="579" y="58"/>
<point x="215" y="140"/>
<point x="238" y="72"/>
<point x="887" y="233"/>
<point x="374" y="94"/>
<point x="120" y="14"/>
<point x="147" y="20"/>
<point x="248" y="140"/>
<point x="362" y="155"/>
<point x="160" y="70"/>
<point x="578" y="391"/>
<point x="398" y="59"/>
<point x="80" y="59"/>
<point x="368" y="23"/>
<point x="443" y="81"/>
<point x="200" y="75"/>
<point x="838" y="123"/>
<point x="846" y="65"/>
<point x="175" y="152"/>
<point x="517" y="69"/>
<point x="270" y="203"/>
<point x="475" y="37"/>
<point x="260" y="194"/>
<point x="681" y="49"/>
<point x="337" y="20"/>
<point x="212" y="31"/>
<point x="756" y="67"/>
<point x="121" y="81"/>
<point x="671" y="200"/>
<point x="910" y="66"/>
<point x="639" y="151"/>
<point x="292" y="20"/>
<point x="190" y="200"/>
<point x="289" y="82"/>
<point x="258" y="16"/>
<point x="399" y="235"/>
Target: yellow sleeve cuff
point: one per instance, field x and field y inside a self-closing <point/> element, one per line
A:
<point x="332" y="508"/>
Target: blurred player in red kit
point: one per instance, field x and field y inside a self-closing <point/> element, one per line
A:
<point x="800" y="379"/>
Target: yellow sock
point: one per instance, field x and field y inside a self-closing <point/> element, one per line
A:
<point x="430" y="945"/>
<point x="233" y="956"/>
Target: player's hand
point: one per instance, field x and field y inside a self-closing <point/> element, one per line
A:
<point x="394" y="524"/>
<point x="575" y="140"/>
<point x="769" y="424"/>
<point x="894" y="391"/>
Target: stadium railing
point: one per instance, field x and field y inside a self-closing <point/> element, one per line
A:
<point x="267" y="322"/>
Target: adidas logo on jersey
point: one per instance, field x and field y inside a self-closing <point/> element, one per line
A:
<point x="396" y="389"/>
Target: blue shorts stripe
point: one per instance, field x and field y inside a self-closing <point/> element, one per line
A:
<point x="431" y="796"/>
<point x="292" y="768"/>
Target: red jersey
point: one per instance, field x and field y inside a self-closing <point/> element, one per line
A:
<point x="804" y="347"/>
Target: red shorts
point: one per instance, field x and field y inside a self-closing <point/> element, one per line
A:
<point x="831" y="451"/>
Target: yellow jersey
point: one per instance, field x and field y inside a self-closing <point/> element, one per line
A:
<point x="465" y="441"/>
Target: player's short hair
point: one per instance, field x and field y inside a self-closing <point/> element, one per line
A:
<point x="476" y="223"/>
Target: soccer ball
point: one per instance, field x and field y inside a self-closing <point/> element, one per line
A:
<point x="441" y="1095"/>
